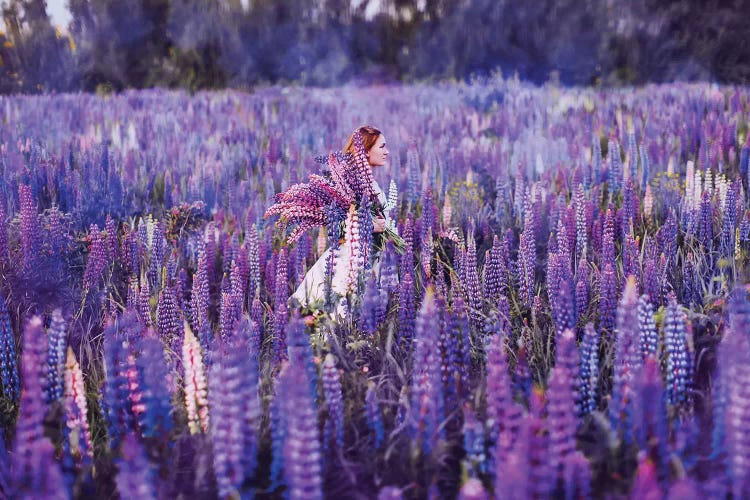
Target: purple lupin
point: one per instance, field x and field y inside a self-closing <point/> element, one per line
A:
<point x="561" y="418"/>
<point x="280" y="311"/>
<point x="8" y="356"/>
<point x="34" y="471"/>
<point x="627" y="360"/>
<point x="29" y="227"/>
<point x="301" y="448"/>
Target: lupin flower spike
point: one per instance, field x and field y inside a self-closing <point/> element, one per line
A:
<point x="196" y="388"/>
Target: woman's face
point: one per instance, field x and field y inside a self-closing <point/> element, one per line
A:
<point x="378" y="154"/>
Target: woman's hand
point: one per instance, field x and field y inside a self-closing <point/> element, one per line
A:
<point x="378" y="224"/>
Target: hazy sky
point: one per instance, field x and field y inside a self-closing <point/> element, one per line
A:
<point x="58" y="11"/>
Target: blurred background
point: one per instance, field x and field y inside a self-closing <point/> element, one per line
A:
<point x="111" y="45"/>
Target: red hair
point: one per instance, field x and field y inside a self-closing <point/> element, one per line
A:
<point x="369" y="138"/>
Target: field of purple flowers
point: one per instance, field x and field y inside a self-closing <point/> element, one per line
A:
<point x="569" y="318"/>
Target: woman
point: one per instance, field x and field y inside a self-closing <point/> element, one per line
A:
<point x="310" y="294"/>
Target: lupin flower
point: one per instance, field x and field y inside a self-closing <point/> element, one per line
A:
<point x="199" y="299"/>
<point x="582" y="288"/>
<point x="8" y="356"/>
<point x="231" y="304"/>
<point x="650" y="416"/>
<point x="334" y="428"/>
<point x="374" y="306"/>
<point x="156" y="254"/>
<point x="648" y="202"/>
<point x="473" y="432"/>
<point x="725" y="368"/>
<point x="144" y="303"/>
<point x="589" y="369"/>
<point x="253" y="261"/>
<point x="563" y="306"/>
<point x="304" y="205"/>
<point x="97" y="260"/>
<point x="607" y="298"/>
<point x="256" y="314"/>
<point x="426" y="252"/>
<point x="678" y="357"/>
<point x="503" y="414"/>
<point x="577" y="476"/>
<point x="631" y="256"/>
<point x="456" y="347"/>
<point x="565" y="240"/>
<point x="651" y="280"/>
<point x="169" y="319"/>
<point x="614" y="164"/>
<point x="278" y="424"/>
<point x="374" y="418"/>
<point x="459" y="265"/>
<point x="353" y="235"/>
<point x="34" y="471"/>
<point x="705" y="228"/>
<point x="280" y="313"/>
<point x="392" y="202"/>
<point x="428" y="224"/>
<point x="561" y="417"/>
<point x="235" y="412"/>
<point x="196" y="389"/>
<point x="608" y="239"/>
<point x="427" y="402"/>
<point x="542" y="477"/>
<point x="56" y="236"/>
<point x="512" y="472"/>
<point x="629" y="208"/>
<point x="301" y="447"/>
<point x="110" y="228"/>
<point x="30" y="237"/>
<point x="645" y="166"/>
<point x="53" y="387"/>
<point x="154" y="416"/>
<point x="581" y="226"/>
<point x="667" y="235"/>
<point x="413" y="173"/>
<point x="3" y="234"/>
<point x="649" y="337"/>
<point x="632" y="154"/>
<point x="406" y="311"/>
<point x="495" y="272"/>
<point x="596" y="154"/>
<point x="135" y="478"/>
<point x="729" y="221"/>
<point x="300" y="351"/>
<point x="116" y="390"/>
<point x="527" y="260"/>
<point x="132" y="300"/>
<point x="627" y="359"/>
<point x="76" y="409"/>
<point x="472" y="288"/>
<point x="731" y="401"/>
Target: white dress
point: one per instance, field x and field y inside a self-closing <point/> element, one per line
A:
<point x="312" y="288"/>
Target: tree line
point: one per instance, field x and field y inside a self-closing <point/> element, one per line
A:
<point x="202" y="44"/>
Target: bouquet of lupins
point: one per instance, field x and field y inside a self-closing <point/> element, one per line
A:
<point x="324" y="200"/>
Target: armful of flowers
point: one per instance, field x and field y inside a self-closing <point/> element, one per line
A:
<point x="389" y="233"/>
